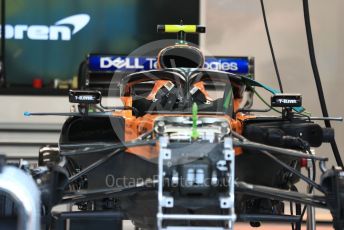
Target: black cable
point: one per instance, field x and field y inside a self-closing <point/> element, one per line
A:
<point x="318" y="80"/>
<point x="271" y="48"/>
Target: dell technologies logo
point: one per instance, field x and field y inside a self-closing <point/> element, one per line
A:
<point x="136" y="63"/>
<point x="61" y="30"/>
<point x="126" y="62"/>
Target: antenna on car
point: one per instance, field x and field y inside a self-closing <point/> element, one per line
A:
<point x="181" y="30"/>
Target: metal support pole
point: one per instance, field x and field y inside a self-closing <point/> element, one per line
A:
<point x="311" y="224"/>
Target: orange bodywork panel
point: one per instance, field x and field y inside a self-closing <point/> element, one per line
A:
<point x="200" y="86"/>
<point x="157" y="86"/>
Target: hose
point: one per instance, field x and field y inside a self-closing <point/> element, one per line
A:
<point x="318" y="80"/>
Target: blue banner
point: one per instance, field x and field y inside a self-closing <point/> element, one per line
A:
<point x="111" y="63"/>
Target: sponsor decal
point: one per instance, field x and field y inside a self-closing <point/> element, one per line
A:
<point x="85" y="97"/>
<point x="287" y="101"/>
<point x="122" y="63"/>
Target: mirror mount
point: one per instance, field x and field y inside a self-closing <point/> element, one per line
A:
<point x="84" y="99"/>
<point x="287" y="102"/>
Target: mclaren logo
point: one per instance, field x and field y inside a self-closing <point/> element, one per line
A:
<point x="61" y="30"/>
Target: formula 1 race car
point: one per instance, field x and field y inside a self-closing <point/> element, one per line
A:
<point x="186" y="151"/>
